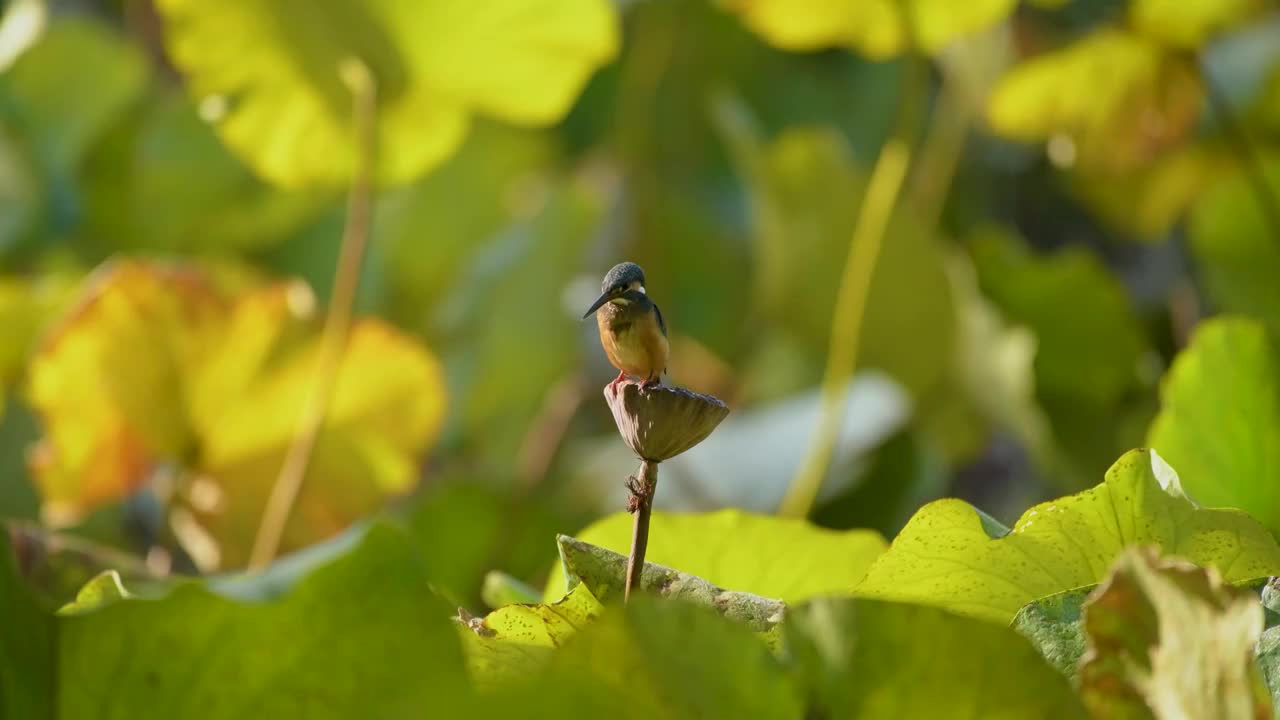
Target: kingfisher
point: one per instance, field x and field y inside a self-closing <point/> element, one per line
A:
<point x="632" y="330"/>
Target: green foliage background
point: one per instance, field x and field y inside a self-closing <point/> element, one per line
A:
<point x="1082" y="261"/>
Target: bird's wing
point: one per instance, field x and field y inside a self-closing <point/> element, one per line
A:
<point x="662" y="324"/>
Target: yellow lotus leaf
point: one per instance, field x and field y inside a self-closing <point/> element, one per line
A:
<point x="26" y="306"/>
<point x="107" y="384"/>
<point x="1189" y="25"/>
<point x="160" y="365"/>
<point x="1116" y="99"/>
<point x="876" y="28"/>
<point x="386" y="408"/>
<point x="267" y="72"/>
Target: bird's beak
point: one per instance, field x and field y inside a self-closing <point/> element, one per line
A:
<point x="604" y="298"/>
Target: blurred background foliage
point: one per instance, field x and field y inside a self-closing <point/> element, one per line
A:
<point x="1089" y="179"/>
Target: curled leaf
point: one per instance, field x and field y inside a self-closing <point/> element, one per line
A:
<point x="724" y="548"/>
<point x="604" y="572"/>
<point x="102" y="589"/>
<point x="515" y="640"/>
<point x="944" y="557"/>
<point x="1170" y="640"/>
<point x="1054" y="626"/>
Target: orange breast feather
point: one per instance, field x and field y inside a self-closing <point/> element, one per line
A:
<point x="636" y="346"/>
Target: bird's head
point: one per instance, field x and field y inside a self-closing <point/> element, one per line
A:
<point x="622" y="279"/>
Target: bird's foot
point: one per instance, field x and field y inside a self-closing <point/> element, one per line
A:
<point x="650" y="383"/>
<point x="613" y="386"/>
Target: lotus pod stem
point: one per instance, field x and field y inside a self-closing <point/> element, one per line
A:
<point x="657" y="423"/>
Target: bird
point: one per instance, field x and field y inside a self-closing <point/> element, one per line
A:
<point x="632" y="330"/>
